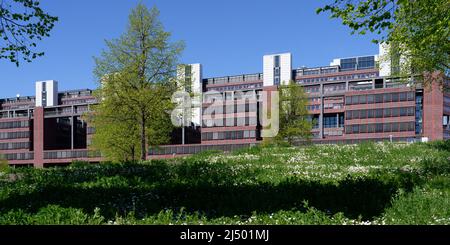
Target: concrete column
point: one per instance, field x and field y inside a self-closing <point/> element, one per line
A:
<point x="182" y="135"/>
<point x="337" y="120"/>
<point x="72" y="128"/>
<point x="321" y="112"/>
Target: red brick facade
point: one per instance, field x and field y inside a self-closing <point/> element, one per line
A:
<point x="433" y="109"/>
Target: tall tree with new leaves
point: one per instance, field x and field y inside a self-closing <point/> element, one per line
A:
<point x="293" y="115"/>
<point x="22" y="24"/>
<point x="137" y="77"/>
<point x="419" y="29"/>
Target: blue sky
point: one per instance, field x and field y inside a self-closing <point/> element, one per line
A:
<point x="227" y="37"/>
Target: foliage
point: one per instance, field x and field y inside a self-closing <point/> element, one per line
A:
<point x="136" y="76"/>
<point x="381" y="183"/>
<point x="3" y="165"/>
<point x="22" y="24"/>
<point x="418" y="29"/>
<point x="80" y="163"/>
<point x="52" y="215"/>
<point x="294" y="123"/>
<point x="422" y="206"/>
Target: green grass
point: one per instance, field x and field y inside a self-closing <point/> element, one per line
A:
<point x="320" y="184"/>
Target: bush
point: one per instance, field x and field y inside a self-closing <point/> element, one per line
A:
<point x="3" y="165"/>
<point x="79" y="164"/>
<point x="52" y="215"/>
<point x="443" y="145"/>
<point x="422" y="206"/>
<point x="436" y="165"/>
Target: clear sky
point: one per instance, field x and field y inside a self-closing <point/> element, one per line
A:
<point x="227" y="37"/>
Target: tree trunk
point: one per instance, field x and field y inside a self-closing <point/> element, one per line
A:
<point x="143" y="136"/>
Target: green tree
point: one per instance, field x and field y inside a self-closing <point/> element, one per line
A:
<point x="22" y="24"/>
<point x="419" y="30"/>
<point x="116" y="131"/>
<point x="3" y="164"/>
<point x="137" y="78"/>
<point x="294" y="119"/>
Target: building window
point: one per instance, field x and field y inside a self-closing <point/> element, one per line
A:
<point x="387" y="98"/>
<point x="348" y="64"/>
<point x="394" y="97"/>
<point x="395" y="112"/>
<point x="276" y="61"/>
<point x="362" y="99"/>
<point x="363" y="114"/>
<point x="387" y="127"/>
<point x="402" y="96"/>
<point x="378" y="98"/>
<point x="379" y="128"/>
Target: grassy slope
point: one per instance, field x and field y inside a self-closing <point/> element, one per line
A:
<point x="326" y="184"/>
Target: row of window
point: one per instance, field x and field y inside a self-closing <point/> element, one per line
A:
<point x="314" y="99"/>
<point x="18" y="156"/>
<point x="379" y="98"/>
<point x="333" y="121"/>
<point x="14" y="135"/>
<point x="75" y="94"/>
<point x="80" y="101"/>
<point x="230" y="122"/>
<point x="337" y="78"/>
<point x="15" y="114"/>
<point x="232" y="108"/>
<point x="313" y="107"/>
<point x="358" y="63"/>
<point x="333" y="106"/>
<point x="234" y="79"/>
<point x="379" y="127"/>
<point x="17" y="100"/>
<point x="14" y="145"/>
<point x="236" y="87"/>
<point x="379" y="113"/>
<point x="70" y="154"/>
<point x="316" y="71"/>
<point x="229" y="135"/>
<point x="16" y="107"/>
<point x="15" y="124"/>
<point x="312" y="89"/>
<point x="333" y="87"/>
<point x="325" y="106"/>
<point x="211" y="97"/>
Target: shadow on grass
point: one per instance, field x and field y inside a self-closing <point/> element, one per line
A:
<point x="212" y="193"/>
